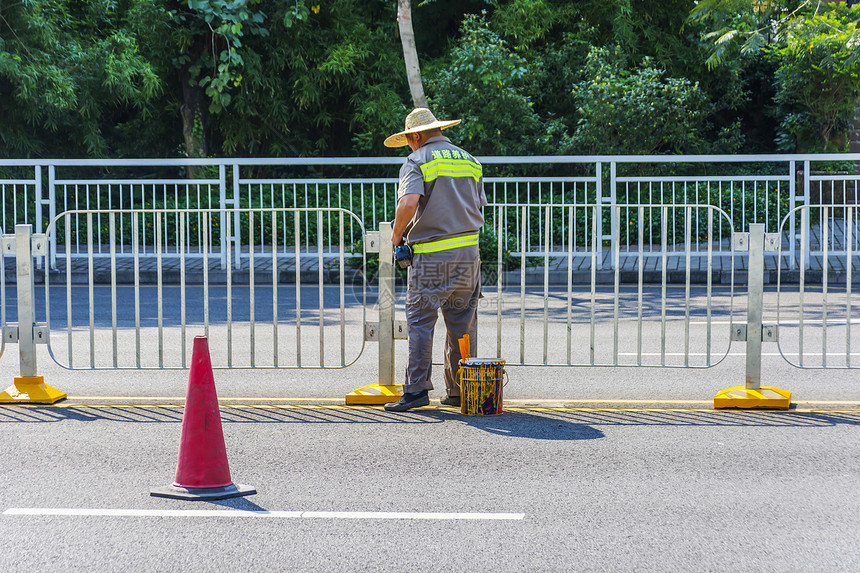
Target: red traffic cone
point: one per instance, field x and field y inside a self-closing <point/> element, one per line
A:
<point x="202" y="471"/>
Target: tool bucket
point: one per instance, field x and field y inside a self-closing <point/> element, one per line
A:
<point x="481" y="383"/>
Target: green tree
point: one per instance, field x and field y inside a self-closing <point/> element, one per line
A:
<point x="740" y="27"/>
<point x="306" y="78"/>
<point x="811" y="45"/>
<point x="818" y="80"/>
<point x="73" y="76"/>
<point x="555" y="38"/>
<point x="202" y="44"/>
<point x="624" y="109"/>
<point x="485" y="83"/>
<point x="332" y="83"/>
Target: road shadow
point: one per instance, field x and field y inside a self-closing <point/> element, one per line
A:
<point x="230" y="414"/>
<point x="534" y="423"/>
<point x="241" y="503"/>
<point x="520" y="424"/>
<point x="722" y="418"/>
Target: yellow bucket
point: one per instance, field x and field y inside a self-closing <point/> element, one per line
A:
<point x="481" y="383"/>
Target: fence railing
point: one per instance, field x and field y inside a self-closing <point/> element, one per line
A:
<point x="251" y="299"/>
<point x="258" y="314"/>
<point x="661" y="328"/>
<point x="819" y="317"/>
<point x="750" y="189"/>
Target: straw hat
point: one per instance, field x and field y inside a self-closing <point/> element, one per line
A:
<point x="419" y="119"/>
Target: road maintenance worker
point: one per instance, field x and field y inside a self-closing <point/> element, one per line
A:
<point x="440" y="195"/>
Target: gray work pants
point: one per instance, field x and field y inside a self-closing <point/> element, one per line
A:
<point x="450" y="281"/>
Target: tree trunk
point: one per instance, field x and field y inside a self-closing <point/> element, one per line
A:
<point x="193" y="102"/>
<point x="192" y="111"/>
<point x="410" y="54"/>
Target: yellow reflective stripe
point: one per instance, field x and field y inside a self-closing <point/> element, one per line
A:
<point x="446" y="244"/>
<point x="444" y="248"/>
<point x="451" y="165"/>
<point x="451" y="171"/>
<point x="451" y="168"/>
<point x="448" y="241"/>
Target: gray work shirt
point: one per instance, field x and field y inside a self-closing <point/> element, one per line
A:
<point x="450" y="182"/>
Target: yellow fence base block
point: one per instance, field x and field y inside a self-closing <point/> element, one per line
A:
<point x="375" y="394"/>
<point x="31" y="390"/>
<point x="741" y="397"/>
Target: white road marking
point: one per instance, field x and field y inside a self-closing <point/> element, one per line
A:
<point x="86" y="512"/>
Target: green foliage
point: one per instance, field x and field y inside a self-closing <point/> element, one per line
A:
<point x="201" y="45"/>
<point x="753" y="203"/>
<point x="740" y="27"/>
<point x="554" y="68"/>
<point x="71" y="73"/>
<point x="818" y="80"/>
<point x="297" y="13"/>
<point x="156" y="78"/>
<point x="219" y="69"/>
<point x="488" y="248"/>
<point x="526" y="21"/>
<point x="206" y="37"/>
<point x="813" y="47"/>
<point x="332" y="83"/>
<point x="484" y="83"/>
<point x="638" y="110"/>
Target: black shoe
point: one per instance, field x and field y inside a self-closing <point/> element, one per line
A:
<point x="451" y="401"/>
<point x="409" y="401"/>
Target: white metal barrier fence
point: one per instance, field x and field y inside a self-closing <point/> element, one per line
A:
<point x="677" y="244"/>
<point x="817" y="319"/>
<point x="239" y="297"/>
<point x="682" y="240"/>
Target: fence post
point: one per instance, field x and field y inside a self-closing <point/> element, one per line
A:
<point x="753" y="394"/>
<point x="385" y="390"/>
<point x="755" y="301"/>
<point x="28" y="387"/>
<point x="237" y="227"/>
<point x="52" y="213"/>
<point x="792" y="203"/>
<point x="37" y="177"/>
<point x="599" y="241"/>
<point x="807" y="200"/>
<point x="222" y="204"/>
<point x="614" y="235"/>
<point x="386" y="306"/>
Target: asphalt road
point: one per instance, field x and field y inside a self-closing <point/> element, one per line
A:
<point x="596" y="491"/>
